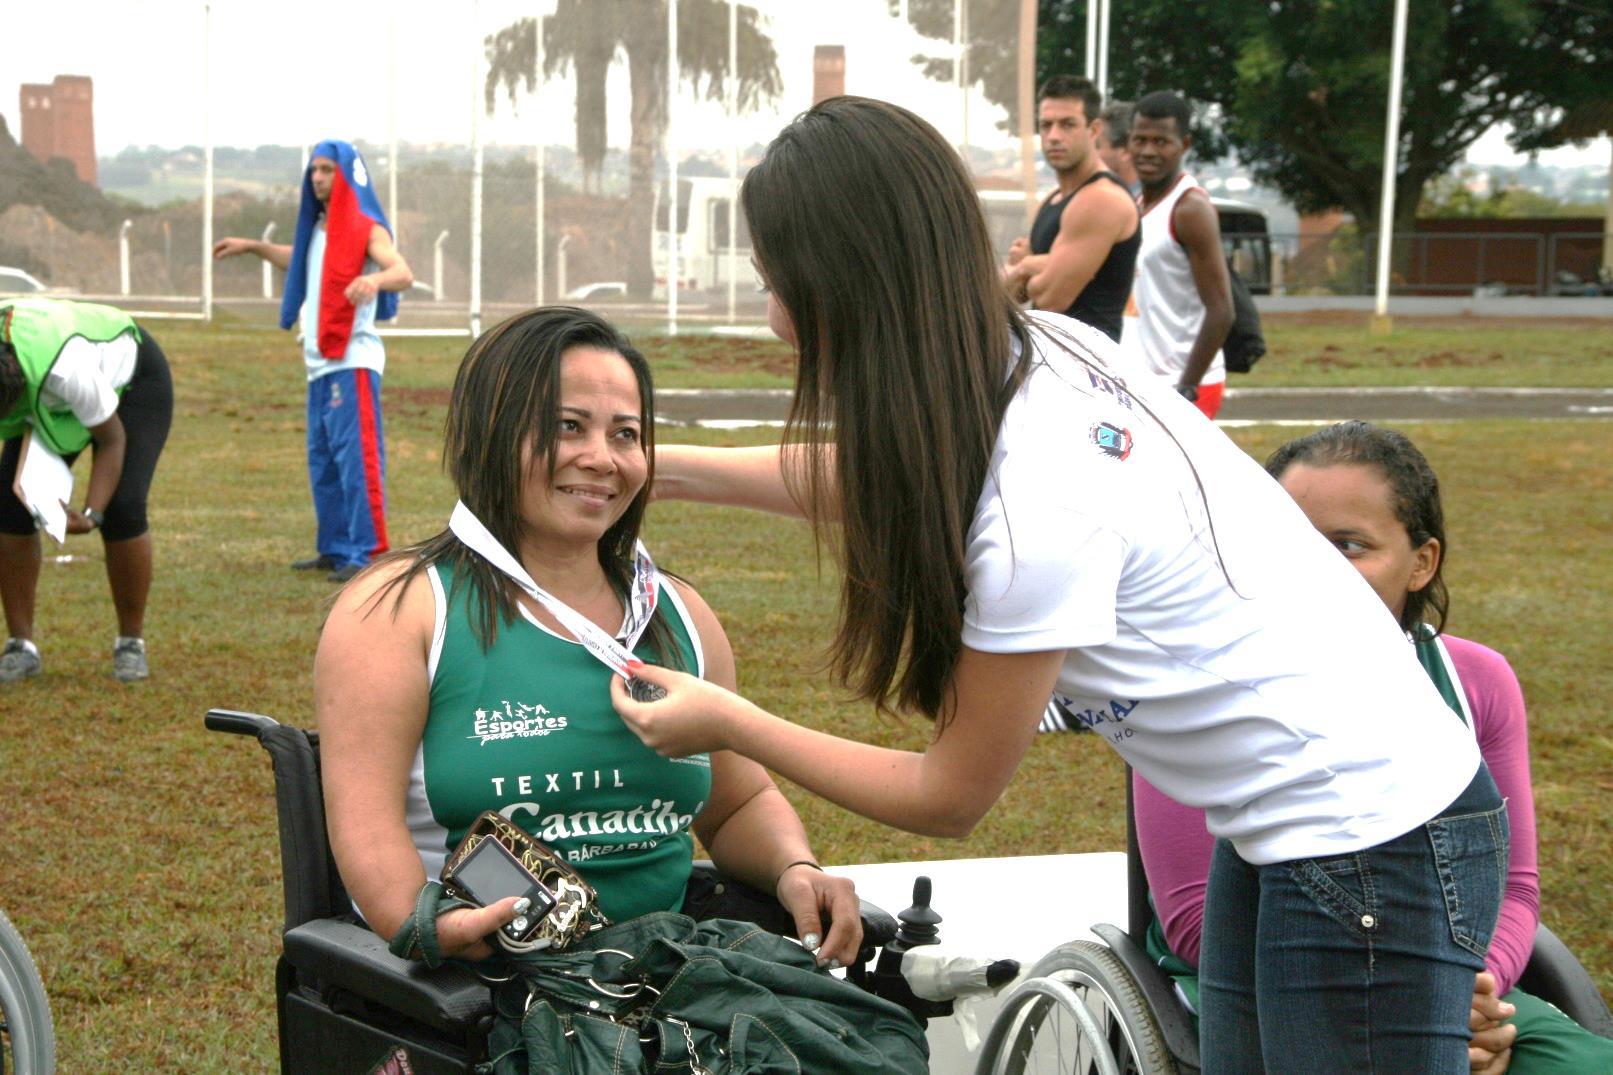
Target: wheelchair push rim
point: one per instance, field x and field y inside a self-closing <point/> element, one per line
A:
<point x="27" y="1038"/>
<point x="1078" y="1013"/>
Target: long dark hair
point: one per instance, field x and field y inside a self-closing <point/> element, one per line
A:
<point x="867" y="227"/>
<point x="507" y="391"/>
<point x="1412" y="483"/>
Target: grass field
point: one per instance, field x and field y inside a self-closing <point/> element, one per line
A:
<point x="1321" y="349"/>
<point x="142" y="863"/>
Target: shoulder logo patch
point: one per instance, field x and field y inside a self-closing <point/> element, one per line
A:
<point x="1111" y="440"/>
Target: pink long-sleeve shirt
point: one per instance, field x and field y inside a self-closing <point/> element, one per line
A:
<point x="1176" y="846"/>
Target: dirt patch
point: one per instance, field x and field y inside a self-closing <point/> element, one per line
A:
<point x="1444" y="359"/>
<point x="419" y="397"/>
<point x="727" y="355"/>
<point x="1360" y="318"/>
<point x="1330" y="359"/>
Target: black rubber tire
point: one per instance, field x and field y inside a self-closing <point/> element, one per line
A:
<point x="1020" y="1037"/>
<point x="27" y="1037"/>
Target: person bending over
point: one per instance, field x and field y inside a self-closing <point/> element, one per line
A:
<point x="1014" y="516"/>
<point x="1373" y="495"/>
<point x="73" y="374"/>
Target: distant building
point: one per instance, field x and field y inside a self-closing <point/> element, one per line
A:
<point x="58" y="120"/>
<point x="828" y="72"/>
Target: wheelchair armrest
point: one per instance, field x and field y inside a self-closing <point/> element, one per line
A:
<point x="1554" y="974"/>
<point x="1175" y="1024"/>
<point x="879" y="928"/>
<point x="350" y="957"/>
<point x="239" y="722"/>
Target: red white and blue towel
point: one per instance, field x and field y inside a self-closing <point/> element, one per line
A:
<point x="350" y="216"/>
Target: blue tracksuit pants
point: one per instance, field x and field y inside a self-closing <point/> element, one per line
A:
<point x="347" y="465"/>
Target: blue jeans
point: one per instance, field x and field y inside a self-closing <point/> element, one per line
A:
<point x="1359" y="962"/>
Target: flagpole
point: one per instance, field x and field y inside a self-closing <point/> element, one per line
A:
<point x="733" y="155"/>
<point x="671" y="170"/>
<point x="1391" y="166"/>
<point x="207" y="162"/>
<point x="475" y="171"/>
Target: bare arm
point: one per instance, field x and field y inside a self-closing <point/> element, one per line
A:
<point x="997" y="701"/>
<point x="393" y="275"/>
<point x="1090" y="225"/>
<point x="753" y="833"/>
<point x="734" y="477"/>
<point x="1199" y="230"/>
<point x="371" y="701"/>
<point x="276" y="254"/>
<point x="107" y="467"/>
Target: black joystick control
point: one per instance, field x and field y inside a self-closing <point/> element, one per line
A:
<point x="920" y="925"/>
<point x="917" y="926"/>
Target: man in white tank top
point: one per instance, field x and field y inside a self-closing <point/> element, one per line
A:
<point x="1182" y="293"/>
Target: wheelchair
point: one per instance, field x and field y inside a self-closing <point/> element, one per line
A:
<point x="1107" y="1009"/>
<point x="344" y="1002"/>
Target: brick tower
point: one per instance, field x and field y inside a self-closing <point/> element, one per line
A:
<point x="58" y="120"/>
<point x="828" y="72"/>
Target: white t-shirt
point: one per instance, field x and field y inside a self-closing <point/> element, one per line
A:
<point x="1290" y="708"/>
<point x="86" y="377"/>
<point x="364" y="348"/>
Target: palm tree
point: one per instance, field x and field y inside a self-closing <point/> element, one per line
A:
<point x="584" y="36"/>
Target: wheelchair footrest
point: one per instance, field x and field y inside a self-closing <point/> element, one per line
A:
<point x="327" y="952"/>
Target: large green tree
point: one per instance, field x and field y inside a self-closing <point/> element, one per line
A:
<point x="1299" y="88"/>
<point x="585" y="36"/>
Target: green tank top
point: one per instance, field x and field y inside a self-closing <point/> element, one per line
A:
<point x="37" y="330"/>
<point x="527" y="729"/>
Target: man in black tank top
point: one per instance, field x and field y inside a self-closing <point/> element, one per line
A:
<point x="1080" y="255"/>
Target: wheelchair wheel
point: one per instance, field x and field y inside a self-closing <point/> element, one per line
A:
<point x="26" y="1036"/>
<point x="1078" y="1013"/>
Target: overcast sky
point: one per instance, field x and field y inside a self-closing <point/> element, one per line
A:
<point x="288" y="79"/>
<point x="292" y="72"/>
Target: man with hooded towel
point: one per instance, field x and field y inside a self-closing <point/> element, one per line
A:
<point x="343" y="274"/>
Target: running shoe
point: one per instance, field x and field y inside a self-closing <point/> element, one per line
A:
<point x="19" y="660"/>
<point x="129" y="660"/>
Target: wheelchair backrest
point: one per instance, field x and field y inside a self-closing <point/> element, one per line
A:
<point x="312" y="886"/>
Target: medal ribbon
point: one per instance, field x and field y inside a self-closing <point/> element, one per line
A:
<point x="640" y="604"/>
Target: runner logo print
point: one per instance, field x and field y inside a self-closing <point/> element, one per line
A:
<point x="516" y="720"/>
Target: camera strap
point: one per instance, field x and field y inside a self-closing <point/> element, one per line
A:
<point x="641" y="597"/>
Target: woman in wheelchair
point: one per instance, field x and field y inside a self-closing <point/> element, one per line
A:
<point x="444" y="688"/>
<point x="1015" y="513"/>
<point x="1372" y="494"/>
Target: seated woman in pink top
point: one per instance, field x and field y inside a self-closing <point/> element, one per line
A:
<point x="1373" y="495"/>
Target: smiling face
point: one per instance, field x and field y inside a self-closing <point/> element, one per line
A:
<point x="598" y="465"/>
<point x="1353" y="506"/>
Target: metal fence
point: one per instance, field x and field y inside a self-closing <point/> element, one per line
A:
<point x="1466" y="262"/>
<point x="554" y="176"/>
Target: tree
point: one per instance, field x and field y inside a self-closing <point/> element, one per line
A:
<point x="1299" y="88"/>
<point x="991" y="62"/>
<point x="585" y="35"/>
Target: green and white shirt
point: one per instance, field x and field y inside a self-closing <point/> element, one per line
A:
<point x="527" y="729"/>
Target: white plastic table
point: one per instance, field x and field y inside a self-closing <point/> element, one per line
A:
<point x="999" y="908"/>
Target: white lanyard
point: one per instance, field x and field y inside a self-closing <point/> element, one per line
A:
<point x="640" y="604"/>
